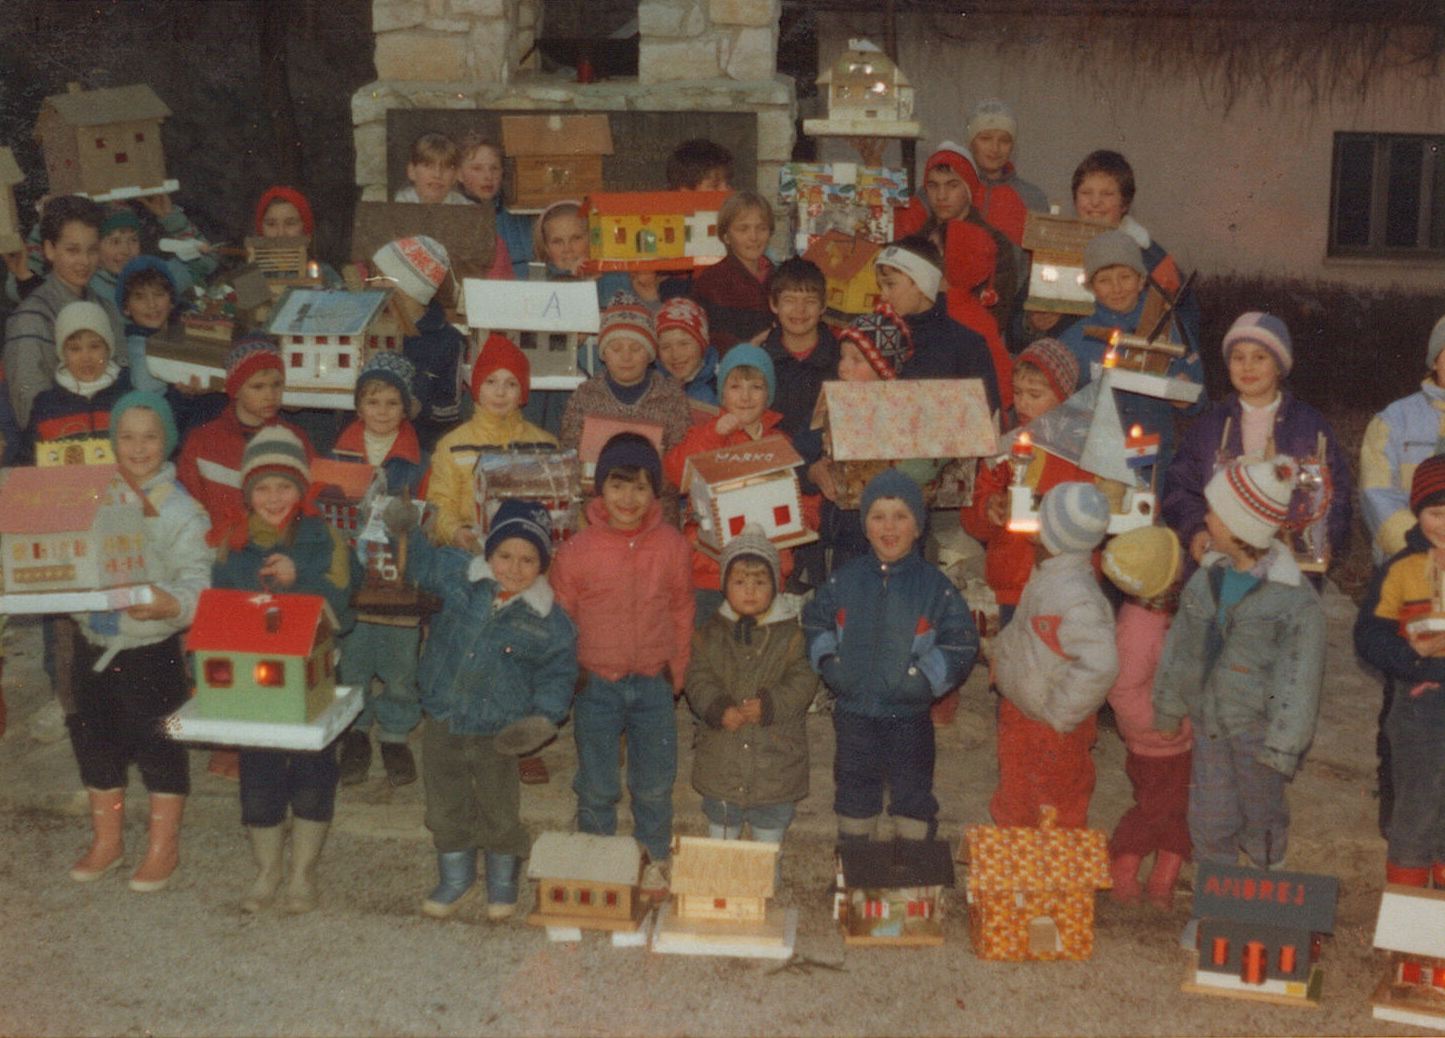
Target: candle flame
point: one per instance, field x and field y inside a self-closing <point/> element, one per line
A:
<point x="1024" y="443"/>
<point x="1111" y="357"/>
<point x="1135" y="432"/>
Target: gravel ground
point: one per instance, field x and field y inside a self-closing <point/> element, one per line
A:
<point x="98" y="959"/>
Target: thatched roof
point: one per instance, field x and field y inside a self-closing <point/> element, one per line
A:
<point x="717" y="868"/>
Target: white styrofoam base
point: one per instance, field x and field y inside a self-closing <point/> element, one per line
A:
<point x="103" y="601"/>
<point x="186" y="726"/>
<point x="567" y="382"/>
<point x="668" y="938"/>
<point x="564" y="934"/>
<point x="861" y="127"/>
<point x="633" y="938"/>
<point x="163" y="188"/>
<point x="1415" y="1018"/>
<point x="1155" y="385"/>
<point x="168" y="369"/>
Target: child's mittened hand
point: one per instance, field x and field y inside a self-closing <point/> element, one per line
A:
<point x="728" y="423"/>
<point x="279" y="571"/>
<point x="466" y="539"/>
<point x="162" y="605"/>
<point x="995" y="509"/>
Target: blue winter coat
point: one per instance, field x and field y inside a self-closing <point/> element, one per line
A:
<point x="435" y="351"/>
<point x="889" y="637"/>
<point x="483" y="667"/>
<point x="313" y="547"/>
<point x="943" y="348"/>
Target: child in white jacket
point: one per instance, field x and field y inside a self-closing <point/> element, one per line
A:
<point x="1053" y="664"/>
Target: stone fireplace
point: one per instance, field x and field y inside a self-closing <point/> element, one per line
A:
<point x="694" y="55"/>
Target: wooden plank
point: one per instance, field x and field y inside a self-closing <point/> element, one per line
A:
<point x="640" y="909"/>
<point x="918" y="940"/>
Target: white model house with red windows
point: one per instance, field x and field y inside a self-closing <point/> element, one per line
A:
<point x="325" y="335"/>
<point x="747" y="483"/>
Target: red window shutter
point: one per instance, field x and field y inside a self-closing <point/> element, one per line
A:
<point x="736" y="524"/>
<point x="720" y="903"/>
<point x="121" y="157"/>
<point x="782" y="514"/>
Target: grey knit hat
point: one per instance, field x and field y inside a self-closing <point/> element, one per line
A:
<point x="275" y="451"/>
<point x="752" y="543"/>
<point x="395" y="370"/>
<point x="1112" y="249"/>
<point x="1437" y="343"/>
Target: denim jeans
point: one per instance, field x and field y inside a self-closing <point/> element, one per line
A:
<point x="1236" y="803"/>
<point x="643" y="709"/>
<point x="1416" y="727"/>
<point x="389" y="653"/>
<point x="273" y="779"/>
<point x="874" y="752"/>
<point x="769" y="818"/>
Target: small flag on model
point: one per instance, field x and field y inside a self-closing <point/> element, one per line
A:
<point x="1141" y="449"/>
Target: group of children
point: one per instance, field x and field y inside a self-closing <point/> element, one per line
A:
<point x="1212" y="665"/>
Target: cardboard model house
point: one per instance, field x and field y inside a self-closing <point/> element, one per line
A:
<point x="11" y="240"/>
<point x="1259" y="932"/>
<point x="552" y="478"/>
<point x="75" y="450"/>
<point x="869" y="426"/>
<point x="747" y="483"/>
<point x="104" y="143"/>
<point x="339" y="487"/>
<point x="557" y="156"/>
<point x="1031" y="890"/>
<point x="720" y="892"/>
<point x="864" y="83"/>
<point x="845" y="197"/>
<point x="1411" y="927"/>
<point x="71" y="538"/>
<point x="847" y="265"/>
<point x="546" y="319"/>
<point x="653" y="230"/>
<point x="891" y="892"/>
<point x="263" y="657"/>
<point x="586" y="881"/>
<point x="1056" y="276"/>
<point x="324" y="336"/>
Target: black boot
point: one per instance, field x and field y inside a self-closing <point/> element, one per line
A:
<point x="399" y="763"/>
<point x="355" y="756"/>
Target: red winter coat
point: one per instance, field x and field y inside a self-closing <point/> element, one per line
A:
<point x="209" y="466"/>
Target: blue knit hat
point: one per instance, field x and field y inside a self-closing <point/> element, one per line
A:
<point x="395" y="370"/>
<point x="892" y="483"/>
<point x="151" y="402"/>
<point x="1073" y="517"/>
<point x="133" y="268"/>
<point x="525" y="519"/>
<point x="745" y="354"/>
<point x="629" y="449"/>
<point x="1266" y="331"/>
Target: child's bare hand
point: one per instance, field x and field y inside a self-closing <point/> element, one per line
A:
<point x="752" y="709"/>
<point x="159" y="205"/>
<point x="1199" y="544"/>
<point x="15" y="263"/>
<point x="821" y="473"/>
<point x="733" y="719"/>
<point x="191" y="388"/>
<point x="161" y="606"/>
<point x="279" y="571"/>
<point x="728" y="423"/>
<point x="466" y="539"/>
<point x="1426" y="644"/>
<point x="1172" y="735"/>
<point x="995" y="509"/>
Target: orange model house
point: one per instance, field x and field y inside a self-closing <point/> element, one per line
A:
<point x="847" y="264"/>
<point x="662" y="230"/>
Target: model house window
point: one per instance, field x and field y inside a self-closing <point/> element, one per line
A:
<point x="611" y="899"/>
<point x="296" y="360"/>
<point x="584" y="897"/>
<point x="1388" y="195"/>
<point x="270" y="673"/>
<point x="140" y="138"/>
<point x="120" y="157"/>
<point x="218" y="673"/>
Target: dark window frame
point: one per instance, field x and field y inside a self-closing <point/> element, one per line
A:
<point x="1397" y="210"/>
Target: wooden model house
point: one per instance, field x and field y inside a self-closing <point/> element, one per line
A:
<point x="847" y="265"/>
<point x="546" y="319"/>
<point x="68" y="532"/>
<point x="869" y="426"/>
<point x="720" y="891"/>
<point x="552" y="478"/>
<point x="75" y="450"/>
<point x="1259" y="932"/>
<point x="11" y="240"/>
<point x="1056" y="277"/>
<point x="557" y="156"/>
<point x="104" y="143"/>
<point x="747" y="483"/>
<point x="324" y="335"/>
<point x="263" y="657"/>
<point x="1031" y="891"/>
<point x="653" y="230"/>
<point x="864" y="83"/>
<point x="586" y="881"/>
<point x="891" y="892"/>
<point x="1411" y="927"/>
<point x="283" y="262"/>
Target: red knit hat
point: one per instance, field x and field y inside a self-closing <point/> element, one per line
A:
<point x="1427" y="486"/>
<point x="282" y="193"/>
<point x="1252" y="498"/>
<point x="883" y="338"/>
<point x="1057" y="362"/>
<point x="685" y="314"/>
<point x="252" y="353"/>
<point x="498" y="354"/>
<point x="955" y="157"/>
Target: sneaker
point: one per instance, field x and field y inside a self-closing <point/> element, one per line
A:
<point x="355" y="756"/>
<point x="399" y="763"/>
<point x="654" y="881"/>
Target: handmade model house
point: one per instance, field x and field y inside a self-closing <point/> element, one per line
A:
<point x="1031" y="890"/>
<point x="658" y="230"/>
<point x="586" y="881"/>
<point x="283" y="262"/>
<point x="263" y="657"/>
<point x="1259" y="932"/>
<point x="467" y="232"/>
<point x="868" y="426"/>
<point x="1411" y="927"/>
<point x="75" y="450"/>
<point x="747" y="483"/>
<point x="841" y="196"/>
<point x="847" y="265"/>
<point x="557" y="156"/>
<point x="891" y="892"/>
<point x="864" y="83"/>
<point x="70" y="530"/>
<point x="1056" y="276"/>
<point x="104" y="143"/>
<point x="720" y="891"/>
<point x="337" y="490"/>
<point x="553" y="478"/>
<point x="11" y="240"/>
<point x="324" y="335"/>
<point x="546" y="319"/>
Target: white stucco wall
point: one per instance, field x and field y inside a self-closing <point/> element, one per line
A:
<point x="1244" y="191"/>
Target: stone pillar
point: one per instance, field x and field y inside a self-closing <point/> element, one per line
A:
<point x="703" y="39"/>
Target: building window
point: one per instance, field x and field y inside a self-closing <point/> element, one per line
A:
<point x="611" y="899"/>
<point x="140" y="138"/>
<point x="1388" y="195"/>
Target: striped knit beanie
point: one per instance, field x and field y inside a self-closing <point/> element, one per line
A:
<point x="394" y="370"/>
<point x="1057" y="362"/>
<point x="752" y="543"/>
<point x="627" y="321"/>
<point x="252" y="353"/>
<point x="1073" y="517"/>
<point x="683" y="314"/>
<point x="1252" y="498"/>
<point x="525" y="519"/>
<point x="883" y="339"/>
<point x="1266" y="331"/>
<point x="1427" y="486"/>
<point x="418" y="265"/>
<point x="274" y="451"/>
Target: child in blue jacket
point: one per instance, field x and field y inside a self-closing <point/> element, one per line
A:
<point x="500" y="661"/>
<point x="889" y="634"/>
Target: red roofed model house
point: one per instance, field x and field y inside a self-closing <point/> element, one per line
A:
<point x="663" y="230"/>
<point x="104" y="143"/>
<point x="263" y="657"/>
<point x="747" y="483"/>
<point x="74" y="529"/>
